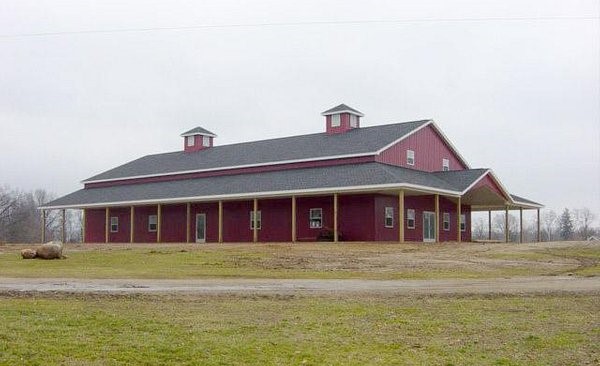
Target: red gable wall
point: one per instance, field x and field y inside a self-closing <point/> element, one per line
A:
<point x="489" y="182"/>
<point x="429" y="148"/>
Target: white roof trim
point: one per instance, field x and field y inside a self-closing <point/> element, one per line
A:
<point x="198" y="133"/>
<point x="231" y="167"/>
<point x="356" y="113"/>
<point x="270" y="194"/>
<point x="429" y="122"/>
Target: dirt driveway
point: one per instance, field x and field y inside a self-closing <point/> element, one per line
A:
<point x="517" y="285"/>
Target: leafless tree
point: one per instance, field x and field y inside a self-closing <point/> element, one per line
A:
<point x="584" y="218"/>
<point x="549" y="225"/>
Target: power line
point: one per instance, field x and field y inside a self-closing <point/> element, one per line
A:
<point x="297" y="24"/>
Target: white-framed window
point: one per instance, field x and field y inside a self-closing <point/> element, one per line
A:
<point x="445" y="165"/>
<point x="206" y="141"/>
<point x="410" y="218"/>
<point x="114" y="224"/>
<point x="316" y="218"/>
<point x="353" y="121"/>
<point x="389" y="217"/>
<point x="258" y="220"/>
<point x="410" y="157"/>
<point x="463" y="222"/>
<point x="446" y="221"/>
<point x="152" y="223"/>
<point x="336" y="120"/>
<point x="191" y="141"/>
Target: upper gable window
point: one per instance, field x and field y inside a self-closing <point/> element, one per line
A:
<point x="353" y="121"/>
<point x="410" y="157"/>
<point x="335" y="120"/>
<point x="191" y="141"/>
<point x="206" y="141"/>
<point x="445" y="165"/>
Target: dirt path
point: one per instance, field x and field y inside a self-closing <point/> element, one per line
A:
<point x="518" y="285"/>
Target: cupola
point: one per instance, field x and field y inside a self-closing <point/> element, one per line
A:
<point x="341" y="119"/>
<point x="197" y="139"/>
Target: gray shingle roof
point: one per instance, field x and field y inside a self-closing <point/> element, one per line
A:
<point x="460" y="179"/>
<point x="366" y="174"/>
<point x="341" y="108"/>
<point x="357" y="141"/>
<point x="198" y="131"/>
<point x="524" y="200"/>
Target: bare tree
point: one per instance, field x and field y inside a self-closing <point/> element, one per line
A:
<point x="549" y="225"/>
<point x="583" y="218"/>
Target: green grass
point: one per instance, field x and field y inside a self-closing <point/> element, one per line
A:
<point x="260" y="330"/>
<point x="369" y="261"/>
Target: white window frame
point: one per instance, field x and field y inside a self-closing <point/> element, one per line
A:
<point x="114" y="224"/>
<point x="258" y="220"/>
<point x="152" y="220"/>
<point x="389" y="215"/>
<point x="191" y="141"/>
<point x="336" y="120"/>
<point x="411" y="215"/>
<point x="410" y="157"/>
<point x="315" y="218"/>
<point x="463" y="222"/>
<point x="445" y="165"/>
<point x="353" y="120"/>
<point x="446" y="221"/>
<point x="206" y="141"/>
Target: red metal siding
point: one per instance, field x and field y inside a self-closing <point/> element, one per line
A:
<point x="142" y="235"/>
<point x="383" y="233"/>
<point x="344" y="124"/>
<point x="429" y="150"/>
<point x="94" y="225"/>
<point x="211" y="210"/>
<point x="173" y="223"/>
<point x="303" y="205"/>
<point x="236" y="221"/>
<point x="489" y="182"/>
<point x="198" y="144"/>
<point x="276" y="216"/>
<point x="262" y="169"/>
<point x="122" y="235"/>
<point x="355" y="217"/>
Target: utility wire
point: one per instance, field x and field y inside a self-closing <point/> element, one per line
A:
<point x="296" y="24"/>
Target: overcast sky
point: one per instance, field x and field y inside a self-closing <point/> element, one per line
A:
<point x="519" y="96"/>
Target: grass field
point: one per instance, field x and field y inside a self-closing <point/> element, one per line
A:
<point x="235" y="330"/>
<point x="368" y="261"/>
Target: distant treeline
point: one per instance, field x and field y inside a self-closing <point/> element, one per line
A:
<point x="20" y="220"/>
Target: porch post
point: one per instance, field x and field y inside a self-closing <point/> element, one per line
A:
<point x="187" y="222"/>
<point x="106" y="224"/>
<point x="132" y="224"/>
<point x="335" y="217"/>
<point x="255" y="222"/>
<point x="506" y="228"/>
<point x="43" y="226"/>
<point x="401" y="216"/>
<point x="437" y="218"/>
<point x="294" y="219"/>
<point x="220" y="222"/>
<point x="489" y="224"/>
<point x="521" y="224"/>
<point x="83" y="225"/>
<point x="539" y="236"/>
<point x="62" y="226"/>
<point x="158" y="222"/>
<point x="458" y="212"/>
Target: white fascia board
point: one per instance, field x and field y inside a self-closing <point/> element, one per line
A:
<point x="344" y="111"/>
<point x="495" y="178"/>
<point x="198" y="133"/>
<point x="272" y="194"/>
<point x="272" y="163"/>
<point x="449" y="143"/>
<point x="404" y="136"/>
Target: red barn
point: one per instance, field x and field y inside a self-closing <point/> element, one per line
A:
<point x="395" y="182"/>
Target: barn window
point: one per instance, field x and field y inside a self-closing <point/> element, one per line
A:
<point x="114" y="224"/>
<point x="316" y="218"/>
<point x="205" y="141"/>
<point x="353" y="121"/>
<point x="335" y="120"/>
<point x="410" y="218"/>
<point x="410" y="157"/>
<point x="463" y="222"/>
<point x="389" y="217"/>
<point x="446" y="221"/>
<point x="258" y="220"/>
<point x="445" y="165"/>
<point x="152" y="223"/>
<point x="191" y="141"/>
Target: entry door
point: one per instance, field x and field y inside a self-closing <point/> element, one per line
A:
<point x="201" y="228"/>
<point x="428" y="226"/>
